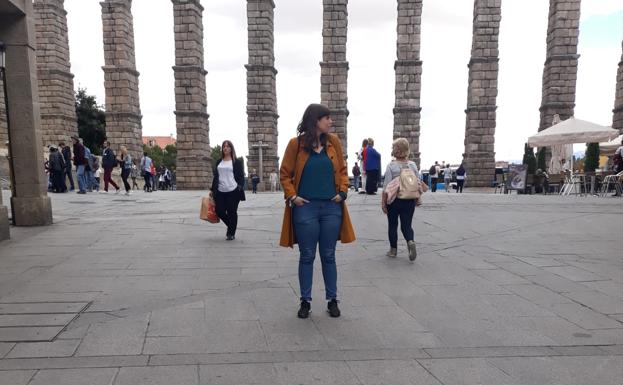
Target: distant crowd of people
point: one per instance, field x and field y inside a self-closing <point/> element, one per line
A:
<point x="90" y="169"/>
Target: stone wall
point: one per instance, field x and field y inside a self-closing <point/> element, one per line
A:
<point x="56" y="86"/>
<point x="334" y="66"/>
<point x="194" y="167"/>
<point x="617" y="121"/>
<point x="561" y="63"/>
<point x="408" y="69"/>
<point x="261" y="90"/>
<point x="123" y="111"/>
<point x="479" y="157"/>
<point x="4" y="136"/>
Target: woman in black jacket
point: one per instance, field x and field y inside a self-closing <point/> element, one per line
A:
<point x="228" y="187"/>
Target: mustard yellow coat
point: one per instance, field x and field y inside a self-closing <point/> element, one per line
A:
<point x="290" y="172"/>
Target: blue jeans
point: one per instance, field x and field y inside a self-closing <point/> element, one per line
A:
<point x="82" y="180"/>
<point x="317" y="223"/>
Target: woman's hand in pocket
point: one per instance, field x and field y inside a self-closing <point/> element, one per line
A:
<point x="300" y="201"/>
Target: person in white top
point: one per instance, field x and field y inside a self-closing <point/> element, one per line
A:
<point x="447" y="177"/>
<point x="273" y="181"/>
<point x="227" y="188"/>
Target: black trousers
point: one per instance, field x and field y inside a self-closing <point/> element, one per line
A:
<point x="67" y="173"/>
<point x="124" y="177"/>
<point x="459" y="185"/>
<point x="403" y="209"/>
<point x="372" y="181"/>
<point x="433" y="184"/>
<point x="58" y="182"/>
<point x="227" y="209"/>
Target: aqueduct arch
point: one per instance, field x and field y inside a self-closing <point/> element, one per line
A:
<point x="53" y="82"/>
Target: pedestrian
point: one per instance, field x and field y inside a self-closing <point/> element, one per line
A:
<point x="273" y="181"/>
<point x="255" y="179"/>
<point x="447" y="177"/>
<point x="402" y="209"/>
<point x="80" y="162"/>
<point x="373" y="168"/>
<point x="56" y="166"/>
<point x="98" y="173"/>
<point x="461" y="174"/>
<point x="109" y="162"/>
<point x="228" y="188"/>
<point x="356" y="175"/>
<point x="433" y="174"/>
<point x="362" y="156"/>
<point x="315" y="183"/>
<point x="134" y="175"/>
<point x="89" y="172"/>
<point x="125" y="162"/>
<point x="66" y="151"/>
<point x="146" y="166"/>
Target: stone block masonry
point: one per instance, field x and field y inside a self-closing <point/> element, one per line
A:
<point x="408" y="69"/>
<point x="55" y="80"/>
<point x="480" y="122"/>
<point x="123" y="111"/>
<point x="617" y="121"/>
<point x="194" y="166"/>
<point x="334" y="66"/>
<point x="561" y="63"/>
<point x="261" y="91"/>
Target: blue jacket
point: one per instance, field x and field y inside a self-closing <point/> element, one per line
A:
<point x="373" y="159"/>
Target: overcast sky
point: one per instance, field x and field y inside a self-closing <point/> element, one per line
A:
<point x="371" y="52"/>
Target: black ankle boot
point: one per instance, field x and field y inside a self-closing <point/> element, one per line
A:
<point x="304" y="310"/>
<point x="332" y="308"/>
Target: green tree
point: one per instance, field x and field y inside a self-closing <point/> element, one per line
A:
<point x="169" y="158"/>
<point x="529" y="159"/>
<point x="91" y="121"/>
<point x="591" y="158"/>
<point x="215" y="153"/>
<point x="541" y="158"/>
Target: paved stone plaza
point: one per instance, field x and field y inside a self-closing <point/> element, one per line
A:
<point x="137" y="290"/>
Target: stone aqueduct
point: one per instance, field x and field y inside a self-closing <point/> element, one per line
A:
<point x="123" y="112"/>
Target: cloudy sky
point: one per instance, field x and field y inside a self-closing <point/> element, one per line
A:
<point x="371" y="52"/>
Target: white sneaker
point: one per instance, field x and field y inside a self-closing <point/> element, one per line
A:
<point x="103" y="192"/>
<point x="127" y="193"/>
<point x="117" y="191"/>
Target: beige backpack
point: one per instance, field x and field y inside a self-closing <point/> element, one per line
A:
<point x="409" y="184"/>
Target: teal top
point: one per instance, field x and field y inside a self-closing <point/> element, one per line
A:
<point x="317" y="180"/>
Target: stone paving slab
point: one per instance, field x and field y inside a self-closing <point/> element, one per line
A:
<point x="502" y="284"/>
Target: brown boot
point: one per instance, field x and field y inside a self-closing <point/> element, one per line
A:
<point x="392" y="253"/>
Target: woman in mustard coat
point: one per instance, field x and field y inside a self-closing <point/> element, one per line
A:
<point x="315" y="183"/>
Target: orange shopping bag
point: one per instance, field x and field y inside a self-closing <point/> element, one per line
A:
<point x="208" y="210"/>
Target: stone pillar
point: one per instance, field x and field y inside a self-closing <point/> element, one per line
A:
<point x="123" y="111"/>
<point x="56" y="84"/>
<point x="194" y="166"/>
<point x="408" y="68"/>
<point x="479" y="156"/>
<point x="561" y="63"/>
<point x="4" y="137"/>
<point x="261" y="90"/>
<point x="30" y="204"/>
<point x="617" y="121"/>
<point x="334" y="67"/>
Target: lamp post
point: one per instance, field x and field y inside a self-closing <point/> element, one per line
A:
<point x="8" y="123"/>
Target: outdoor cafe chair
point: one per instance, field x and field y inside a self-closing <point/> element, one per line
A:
<point x="615" y="180"/>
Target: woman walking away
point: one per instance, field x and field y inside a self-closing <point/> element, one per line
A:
<point x="461" y="174"/>
<point x="447" y="177"/>
<point x="399" y="208"/>
<point x="125" y="162"/>
<point x="315" y="183"/>
<point x="228" y="188"/>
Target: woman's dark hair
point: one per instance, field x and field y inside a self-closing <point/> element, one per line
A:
<point x="233" y="151"/>
<point x="364" y="144"/>
<point x="307" y="127"/>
